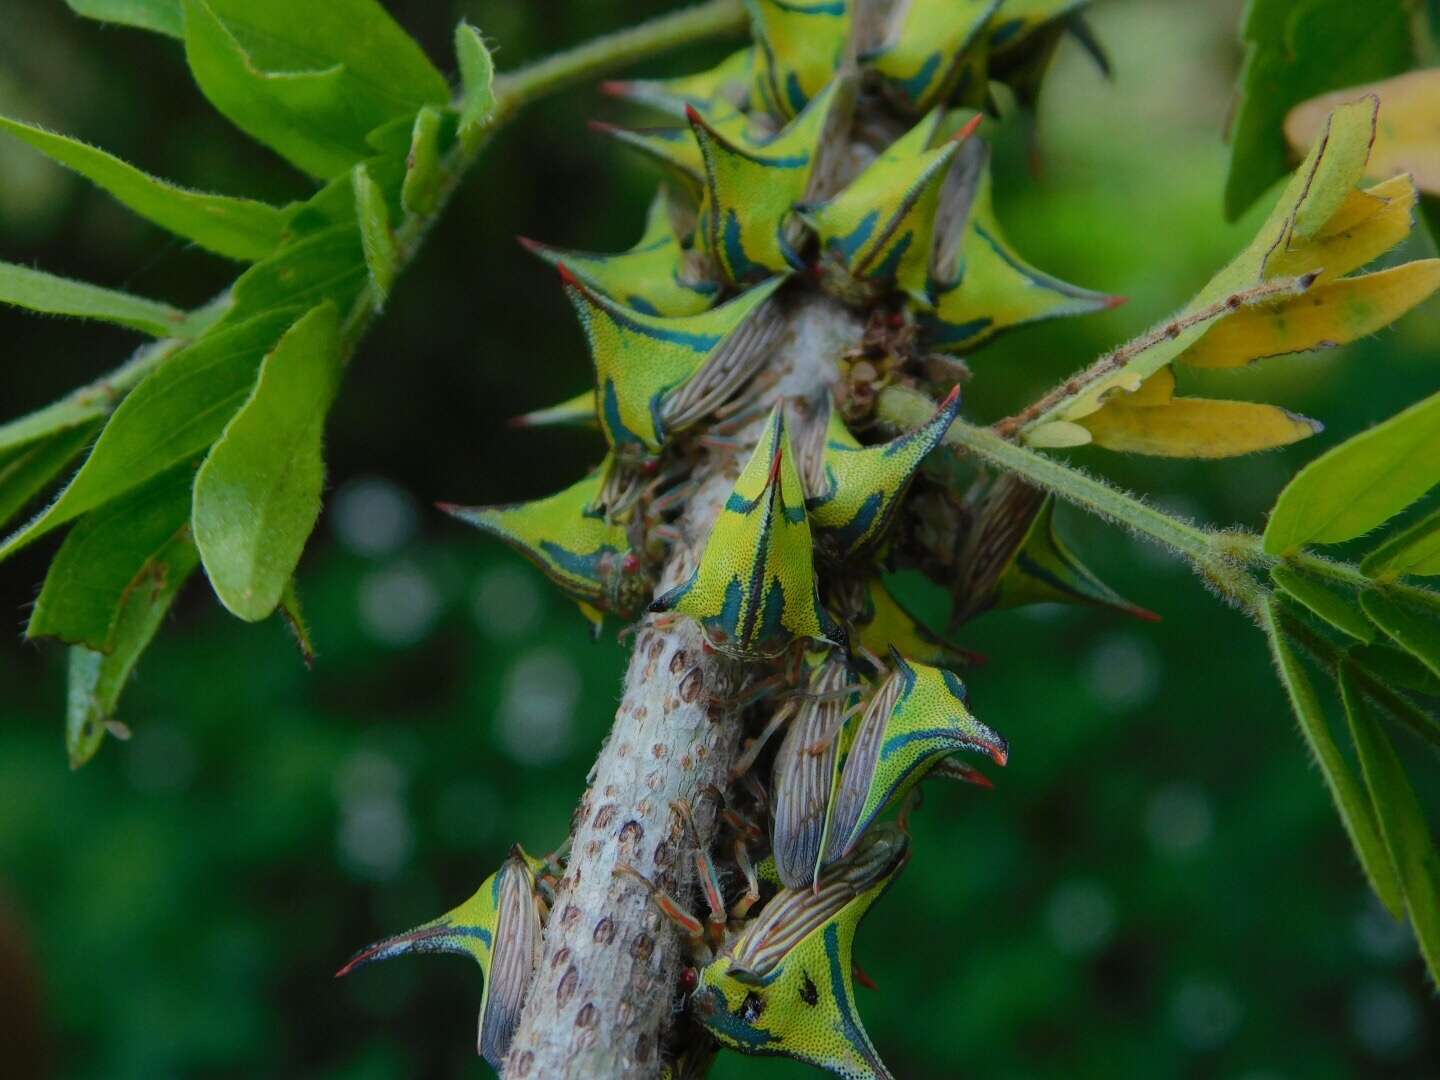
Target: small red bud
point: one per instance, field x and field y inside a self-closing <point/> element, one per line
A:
<point x="631" y="565"/>
<point x="689" y="980"/>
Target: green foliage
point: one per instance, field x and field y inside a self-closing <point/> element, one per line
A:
<point x="1360" y="484"/>
<point x="175" y="413"/>
<point x="235" y="228"/>
<point x="1402" y="822"/>
<point x="377" y="239"/>
<point x="258" y="494"/>
<point x="96" y="679"/>
<point x="1413" y="550"/>
<point x="1356" y="811"/>
<point x="104" y="556"/>
<point x="1297" y="49"/>
<point x="53" y="295"/>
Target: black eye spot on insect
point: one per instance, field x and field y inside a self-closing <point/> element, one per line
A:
<point x="752" y="1007"/>
<point x="808" y="993"/>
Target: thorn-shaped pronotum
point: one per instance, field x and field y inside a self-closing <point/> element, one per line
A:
<point x="798" y="46"/>
<point x="641" y="360"/>
<point x="981" y="285"/>
<point x="499" y="928"/>
<point x="881" y="623"/>
<point x="754" y="591"/>
<point x="726" y="85"/>
<point x="785" y="984"/>
<point x="650" y="277"/>
<point x="746" y="221"/>
<point x="937" y="53"/>
<point x="577" y="547"/>
<point x="862" y="486"/>
<point x="916" y="717"/>
<point x="877" y="234"/>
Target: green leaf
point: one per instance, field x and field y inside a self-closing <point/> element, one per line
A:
<point x="161" y="16"/>
<point x="424" y="174"/>
<point x="1335" y="608"/>
<point x="258" y="494"/>
<point x="1414" y="629"/>
<point x="376" y="239"/>
<point x="308" y="80"/>
<point x="1354" y="808"/>
<point x="178" y="411"/>
<point x="28" y="471"/>
<point x="236" y="228"/>
<point x="1392" y="703"/>
<point x="326" y="265"/>
<point x="1413" y="550"/>
<point x="1402" y="822"/>
<point x="1361" y="483"/>
<point x="477" y="81"/>
<point x="1297" y="49"/>
<point x="1396" y="667"/>
<point x="82" y="596"/>
<point x="97" y="679"/>
<point x="39" y="291"/>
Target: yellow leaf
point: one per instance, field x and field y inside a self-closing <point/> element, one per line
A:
<point x="1158" y="389"/>
<point x="1196" y="428"/>
<point x="1407" y="138"/>
<point x="1323" y="317"/>
<point x="1366" y="226"/>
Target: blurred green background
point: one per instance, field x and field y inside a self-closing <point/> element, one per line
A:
<point x="1156" y="887"/>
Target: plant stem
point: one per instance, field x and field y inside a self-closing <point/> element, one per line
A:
<point x="594" y="58"/>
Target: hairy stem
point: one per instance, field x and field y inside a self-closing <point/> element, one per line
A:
<point x="595" y="58"/>
<point x="602" y="1004"/>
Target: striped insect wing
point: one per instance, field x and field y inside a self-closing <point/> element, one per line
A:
<point x="512" y="964"/>
<point x="785" y="986"/>
<point x="857" y="777"/>
<point x="805" y="776"/>
<point x="794" y="914"/>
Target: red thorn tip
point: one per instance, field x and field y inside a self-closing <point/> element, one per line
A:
<point x="567" y="276"/>
<point x="1112" y="302"/>
<point x="530" y="245"/>
<point x="981" y="780"/>
<point x="602" y="126"/>
<point x="1000" y="755"/>
<point x="1144" y="613"/>
<point x="775" y="465"/>
<point x="693" y="114"/>
<point x="951" y="397"/>
<point x="522" y="421"/>
<point x="449" y="507"/>
<point x="969" y="128"/>
<point x="615" y="87"/>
